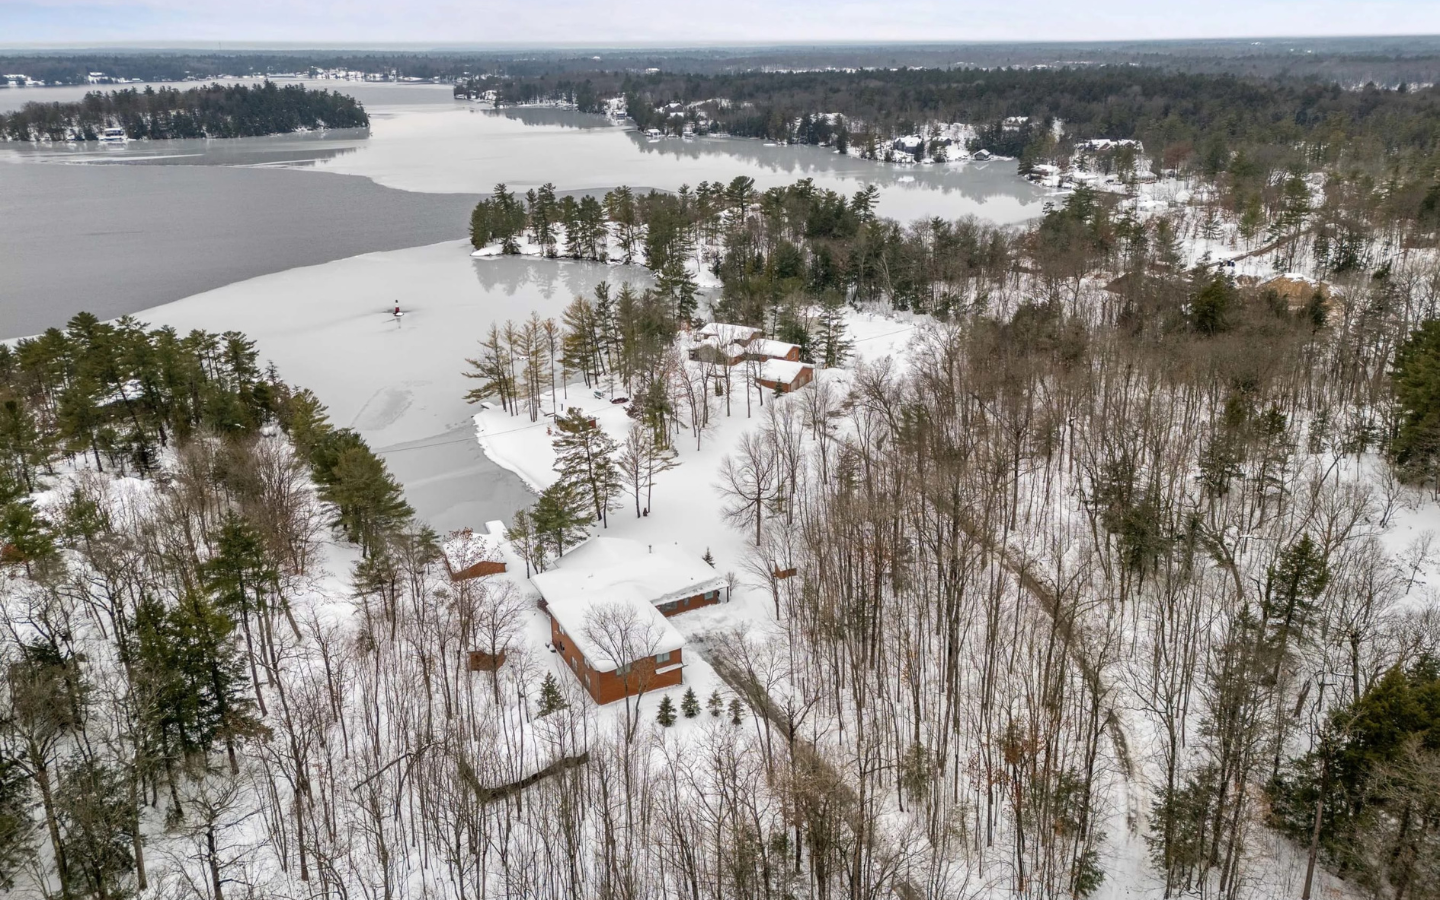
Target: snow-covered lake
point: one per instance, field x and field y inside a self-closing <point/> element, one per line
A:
<point x="329" y="328"/>
<point x="304" y="242"/>
<point x="424" y="140"/>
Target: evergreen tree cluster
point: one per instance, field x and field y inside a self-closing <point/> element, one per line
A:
<point x="213" y="111"/>
<point x="188" y="585"/>
<point x="1374" y="778"/>
<point x="1187" y="113"/>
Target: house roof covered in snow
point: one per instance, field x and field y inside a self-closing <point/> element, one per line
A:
<point x="625" y="579"/>
<point x="780" y="370"/>
<point x="731" y="349"/>
<point x="602" y="627"/>
<point x="727" y="333"/>
<point x="615" y="567"/>
<point x="774" y="349"/>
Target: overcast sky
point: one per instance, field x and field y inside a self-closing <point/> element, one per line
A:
<point x="695" y="21"/>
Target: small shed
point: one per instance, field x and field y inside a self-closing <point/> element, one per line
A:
<point x="784" y="375"/>
<point x="470" y="555"/>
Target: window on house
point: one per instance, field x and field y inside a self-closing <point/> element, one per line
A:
<point x="622" y="671"/>
<point x="662" y="657"/>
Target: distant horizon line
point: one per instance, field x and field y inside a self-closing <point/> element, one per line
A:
<point x="182" y="45"/>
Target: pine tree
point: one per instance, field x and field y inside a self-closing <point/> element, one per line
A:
<point x="493" y="370"/>
<point x="709" y="558"/>
<point x="690" y="704"/>
<point x="1292" y="586"/>
<point x="27" y="537"/>
<point x="666" y="714"/>
<point x="369" y="503"/>
<point x="716" y="704"/>
<point x="831" y="344"/>
<point x="580" y="347"/>
<point x="551" y="700"/>
<point x="561" y="516"/>
<point x="24" y="446"/>
<point x="737" y="711"/>
<point x="585" y="459"/>
<point x="481" y="224"/>
<point x="677" y="285"/>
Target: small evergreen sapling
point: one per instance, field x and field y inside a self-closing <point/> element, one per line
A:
<point x="666" y="715"/>
<point x="715" y="704"/>
<point x="690" y="704"/>
<point x="551" y="700"/>
<point x="737" y="712"/>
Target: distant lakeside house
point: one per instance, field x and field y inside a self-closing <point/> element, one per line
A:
<point x="608" y="602"/>
<point x="731" y="345"/>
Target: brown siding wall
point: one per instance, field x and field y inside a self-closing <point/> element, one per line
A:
<point x="607" y="687"/>
<point x="802" y="378"/>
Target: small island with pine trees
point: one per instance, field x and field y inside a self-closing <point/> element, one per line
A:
<point x="209" y="111"/>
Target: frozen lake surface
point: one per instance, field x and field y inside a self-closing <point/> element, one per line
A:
<point x="398" y="383"/>
<point x="305" y="242"/>
<point x="120" y="229"/>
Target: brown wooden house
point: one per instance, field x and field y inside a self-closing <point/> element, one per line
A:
<point x="784" y="375"/>
<point x="616" y="580"/>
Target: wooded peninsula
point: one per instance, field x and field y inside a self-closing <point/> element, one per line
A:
<point x="215" y="111"/>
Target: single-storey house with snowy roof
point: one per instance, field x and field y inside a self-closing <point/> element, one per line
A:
<point x="784" y="376"/>
<point x="729" y="334"/>
<point x="764" y="348"/>
<point x="709" y="350"/>
<point x="608" y="600"/>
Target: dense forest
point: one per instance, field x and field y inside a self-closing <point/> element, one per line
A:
<point x="1351" y="61"/>
<point x="1116" y="571"/>
<point x="1179" y="116"/>
<point x="1088" y="461"/>
<point x="1113" y="525"/>
<point x="217" y="111"/>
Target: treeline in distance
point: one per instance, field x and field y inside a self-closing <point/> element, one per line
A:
<point x="217" y="111"/>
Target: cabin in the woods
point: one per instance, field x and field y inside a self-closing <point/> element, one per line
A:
<point x="470" y="555"/>
<point x="710" y="350"/>
<point x="784" y="376"/>
<point x="764" y="348"/>
<point x="608" y="601"/>
<point x="727" y="334"/>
